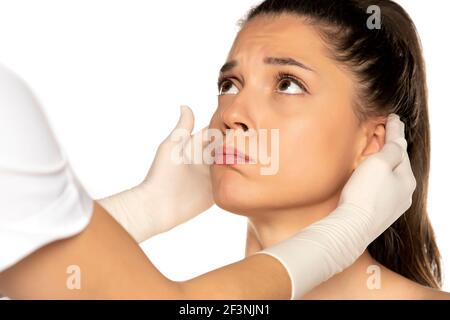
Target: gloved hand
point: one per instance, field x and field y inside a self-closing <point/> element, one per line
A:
<point x="376" y="195"/>
<point x="171" y="193"/>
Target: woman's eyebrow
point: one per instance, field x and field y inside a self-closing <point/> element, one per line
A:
<point x="269" y="60"/>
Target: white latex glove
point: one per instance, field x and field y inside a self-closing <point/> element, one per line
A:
<point x="170" y="194"/>
<point x="376" y="195"/>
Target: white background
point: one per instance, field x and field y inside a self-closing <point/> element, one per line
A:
<point x="112" y="74"/>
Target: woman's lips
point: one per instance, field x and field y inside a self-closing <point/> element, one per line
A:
<point x="230" y="156"/>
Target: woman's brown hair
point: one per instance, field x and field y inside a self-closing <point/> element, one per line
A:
<point x="388" y="65"/>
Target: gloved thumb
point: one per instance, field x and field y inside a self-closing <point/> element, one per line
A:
<point x="183" y="129"/>
<point x="186" y="120"/>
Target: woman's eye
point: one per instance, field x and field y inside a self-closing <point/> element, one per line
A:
<point x="226" y="87"/>
<point x="290" y="86"/>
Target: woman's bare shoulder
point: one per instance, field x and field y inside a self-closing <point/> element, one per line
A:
<point x="418" y="291"/>
<point x="435" y="294"/>
<point x="401" y="287"/>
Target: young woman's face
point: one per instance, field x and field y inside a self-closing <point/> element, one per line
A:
<point x="319" y="135"/>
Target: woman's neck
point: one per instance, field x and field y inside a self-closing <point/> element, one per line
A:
<point x="277" y="225"/>
<point x="271" y="228"/>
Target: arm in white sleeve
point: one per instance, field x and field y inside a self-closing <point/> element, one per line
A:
<point x="40" y="198"/>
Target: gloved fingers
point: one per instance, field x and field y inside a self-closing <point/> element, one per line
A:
<point x="205" y="136"/>
<point x="395" y="128"/>
<point x="395" y="131"/>
<point x="201" y="135"/>
<point x="194" y="146"/>
<point x="405" y="173"/>
<point x="395" y="148"/>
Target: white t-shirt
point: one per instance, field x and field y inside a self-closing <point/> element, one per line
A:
<point x="41" y="199"/>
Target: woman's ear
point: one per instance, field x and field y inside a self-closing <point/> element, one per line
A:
<point x="373" y="139"/>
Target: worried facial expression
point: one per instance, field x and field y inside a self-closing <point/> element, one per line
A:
<point x="279" y="75"/>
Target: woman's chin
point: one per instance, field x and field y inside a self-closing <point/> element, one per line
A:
<point x="234" y="200"/>
<point x="230" y="202"/>
<point x="240" y="194"/>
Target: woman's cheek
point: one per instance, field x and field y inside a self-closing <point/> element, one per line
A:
<point x="311" y="166"/>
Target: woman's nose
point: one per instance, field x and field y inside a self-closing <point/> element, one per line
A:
<point x="236" y="116"/>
